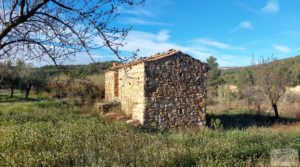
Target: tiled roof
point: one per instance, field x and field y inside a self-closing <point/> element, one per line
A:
<point x="157" y="56"/>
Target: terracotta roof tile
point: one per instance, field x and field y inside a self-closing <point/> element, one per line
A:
<point x="157" y="56"/>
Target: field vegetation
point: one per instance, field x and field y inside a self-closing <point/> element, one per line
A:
<point x="47" y="132"/>
<point x="56" y="125"/>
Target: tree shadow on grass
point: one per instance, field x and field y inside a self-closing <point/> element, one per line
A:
<point x="8" y="99"/>
<point x="244" y="120"/>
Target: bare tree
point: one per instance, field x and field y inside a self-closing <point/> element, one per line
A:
<point x="59" y="28"/>
<point x="272" y="77"/>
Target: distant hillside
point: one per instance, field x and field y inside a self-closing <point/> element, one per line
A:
<point x="78" y="70"/>
<point x="229" y="68"/>
<point x="229" y="75"/>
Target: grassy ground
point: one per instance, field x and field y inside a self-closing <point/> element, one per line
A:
<point x="20" y="96"/>
<point x="55" y="133"/>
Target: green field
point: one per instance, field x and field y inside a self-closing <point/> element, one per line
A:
<point x="56" y="133"/>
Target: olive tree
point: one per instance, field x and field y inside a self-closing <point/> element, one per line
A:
<point x="4" y="71"/>
<point x="13" y="78"/>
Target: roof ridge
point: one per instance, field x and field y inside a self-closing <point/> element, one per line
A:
<point x="161" y="55"/>
<point x="156" y="56"/>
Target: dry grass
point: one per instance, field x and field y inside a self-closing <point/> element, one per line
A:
<point x="98" y="79"/>
<point x="281" y="127"/>
<point x="295" y="89"/>
<point x="289" y="106"/>
<point x="290" y="110"/>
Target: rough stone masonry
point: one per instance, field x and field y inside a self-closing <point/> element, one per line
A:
<point x="166" y="90"/>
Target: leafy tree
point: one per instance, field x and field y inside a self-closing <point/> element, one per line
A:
<point x="213" y="76"/>
<point x="30" y="78"/>
<point x="4" y="68"/>
<point x="245" y="83"/>
<point x="245" y="78"/>
<point x="40" y="80"/>
<point x="83" y="89"/>
<point x="249" y="91"/>
<point x="26" y="77"/>
<point x="13" y="79"/>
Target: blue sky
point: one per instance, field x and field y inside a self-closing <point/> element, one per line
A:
<point x="230" y="30"/>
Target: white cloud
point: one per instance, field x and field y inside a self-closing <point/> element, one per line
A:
<point x="216" y="44"/>
<point x="243" y="25"/>
<point x="137" y="12"/>
<point x="210" y="42"/>
<point x="246" y="25"/>
<point x="282" y="48"/>
<point x="272" y="6"/>
<point x="163" y="35"/>
<point x="152" y="43"/>
<point x="137" y="21"/>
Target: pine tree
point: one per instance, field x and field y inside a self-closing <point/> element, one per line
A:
<point x="213" y="76"/>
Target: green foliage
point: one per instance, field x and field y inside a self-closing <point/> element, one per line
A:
<point x="229" y="76"/>
<point x="292" y="64"/>
<point x="78" y="71"/>
<point x="212" y="62"/>
<point x="84" y="89"/>
<point x="54" y="133"/>
<point x="30" y="77"/>
<point x="216" y="124"/>
<point x="214" y="73"/>
<point x="266" y="80"/>
<point x="25" y="77"/>
<point x="245" y="78"/>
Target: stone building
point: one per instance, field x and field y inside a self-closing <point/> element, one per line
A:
<point x="166" y="90"/>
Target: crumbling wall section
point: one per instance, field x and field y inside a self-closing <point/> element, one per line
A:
<point x="132" y="91"/>
<point x="109" y="85"/>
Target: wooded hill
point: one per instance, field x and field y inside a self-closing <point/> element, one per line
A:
<point x="78" y="70"/>
<point x="231" y="75"/>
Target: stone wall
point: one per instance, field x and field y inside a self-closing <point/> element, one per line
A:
<point x="109" y="85"/>
<point x="132" y="92"/>
<point x="168" y="92"/>
<point x="175" y="92"/>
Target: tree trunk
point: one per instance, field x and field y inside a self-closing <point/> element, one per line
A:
<point x="275" y="110"/>
<point x="27" y="92"/>
<point x="12" y="88"/>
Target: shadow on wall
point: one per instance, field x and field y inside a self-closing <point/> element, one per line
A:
<point x="244" y="120"/>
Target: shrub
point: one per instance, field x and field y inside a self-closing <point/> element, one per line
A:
<point x="81" y="89"/>
<point x="216" y="124"/>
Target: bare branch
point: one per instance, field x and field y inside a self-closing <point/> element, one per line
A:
<point x="63" y="27"/>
